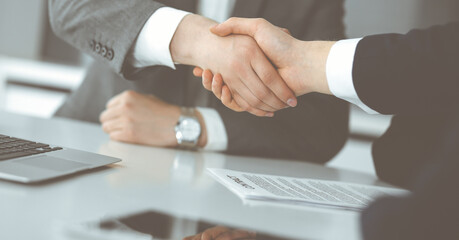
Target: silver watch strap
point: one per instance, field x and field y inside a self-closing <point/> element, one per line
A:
<point x="188" y="113"/>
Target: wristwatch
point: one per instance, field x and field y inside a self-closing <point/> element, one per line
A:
<point x="188" y="129"/>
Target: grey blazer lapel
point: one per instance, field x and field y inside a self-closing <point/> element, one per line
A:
<point x="248" y="8"/>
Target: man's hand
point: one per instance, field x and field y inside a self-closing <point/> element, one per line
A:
<point x="239" y="59"/>
<point x="144" y="119"/>
<point x="301" y="64"/>
<point x="223" y="233"/>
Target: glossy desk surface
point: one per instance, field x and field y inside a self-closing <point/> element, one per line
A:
<point x="164" y="180"/>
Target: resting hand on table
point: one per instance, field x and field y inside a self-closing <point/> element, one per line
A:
<point x="246" y="69"/>
<point x="223" y="233"/>
<point x="300" y="64"/>
<point x="144" y="119"/>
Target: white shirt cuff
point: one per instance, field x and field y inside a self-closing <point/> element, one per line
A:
<point x="153" y="44"/>
<point x="217" y="140"/>
<point x="339" y="73"/>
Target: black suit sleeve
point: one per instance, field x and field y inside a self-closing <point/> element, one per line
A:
<point x="413" y="73"/>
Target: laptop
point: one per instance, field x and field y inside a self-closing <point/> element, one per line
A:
<point x="28" y="161"/>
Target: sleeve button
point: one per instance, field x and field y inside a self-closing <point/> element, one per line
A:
<point x="110" y="54"/>
<point x="103" y="51"/>
<point x="97" y="48"/>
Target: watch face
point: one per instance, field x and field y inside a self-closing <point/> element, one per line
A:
<point x="190" y="129"/>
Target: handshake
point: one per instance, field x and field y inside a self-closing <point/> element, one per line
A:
<point x="263" y="68"/>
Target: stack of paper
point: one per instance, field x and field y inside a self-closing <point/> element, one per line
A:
<point x="249" y="186"/>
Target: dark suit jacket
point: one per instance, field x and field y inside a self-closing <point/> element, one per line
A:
<point x="315" y="131"/>
<point x="432" y="211"/>
<point x="416" y="77"/>
<point x="415" y="73"/>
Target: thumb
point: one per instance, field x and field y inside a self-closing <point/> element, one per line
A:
<point x="220" y="30"/>
<point x="243" y="26"/>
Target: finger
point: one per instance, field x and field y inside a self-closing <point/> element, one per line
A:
<point x="198" y="237"/>
<point x="227" y="100"/>
<point x="236" y="234"/>
<point x="217" y="84"/>
<point x="112" y="126"/>
<point x="255" y="93"/>
<point x="213" y="233"/>
<point x="234" y="25"/>
<point x="197" y="72"/>
<point x="246" y="106"/>
<point x="251" y="234"/>
<point x="284" y="96"/>
<point x="110" y="114"/>
<point x="121" y="136"/>
<point x="116" y="100"/>
<point x="207" y="79"/>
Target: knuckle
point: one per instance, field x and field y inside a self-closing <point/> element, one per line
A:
<point x="259" y="22"/>
<point x="235" y="64"/>
<point x="262" y="92"/>
<point x="126" y="106"/>
<point x="102" y="117"/>
<point x="236" y="108"/>
<point x="129" y="94"/>
<point x="232" y="19"/>
<point x="269" y="78"/>
<point x="245" y="108"/>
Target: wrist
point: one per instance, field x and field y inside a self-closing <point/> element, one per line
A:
<point x="313" y="65"/>
<point x="186" y="45"/>
<point x="187" y="114"/>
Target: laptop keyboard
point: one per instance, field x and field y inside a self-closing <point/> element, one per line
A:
<point x="11" y="147"/>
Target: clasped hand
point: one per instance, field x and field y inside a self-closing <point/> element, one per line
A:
<point x="300" y="65"/>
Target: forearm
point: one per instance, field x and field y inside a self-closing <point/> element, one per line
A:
<point x="191" y="39"/>
<point x="312" y="63"/>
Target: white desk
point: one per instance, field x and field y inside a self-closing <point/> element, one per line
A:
<point x="165" y="180"/>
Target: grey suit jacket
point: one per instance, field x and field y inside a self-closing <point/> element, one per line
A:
<point x="106" y="29"/>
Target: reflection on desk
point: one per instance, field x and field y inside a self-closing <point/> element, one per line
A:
<point x="156" y="225"/>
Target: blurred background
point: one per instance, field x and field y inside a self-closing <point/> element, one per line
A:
<point x="38" y="70"/>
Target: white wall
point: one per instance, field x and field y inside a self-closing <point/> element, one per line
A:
<point x="21" y="28"/>
<point x="382" y="16"/>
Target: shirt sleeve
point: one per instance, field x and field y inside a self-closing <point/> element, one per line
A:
<point x="153" y="44"/>
<point x="339" y="73"/>
<point x="217" y="139"/>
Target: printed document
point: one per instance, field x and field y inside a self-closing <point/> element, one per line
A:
<point x="333" y="194"/>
